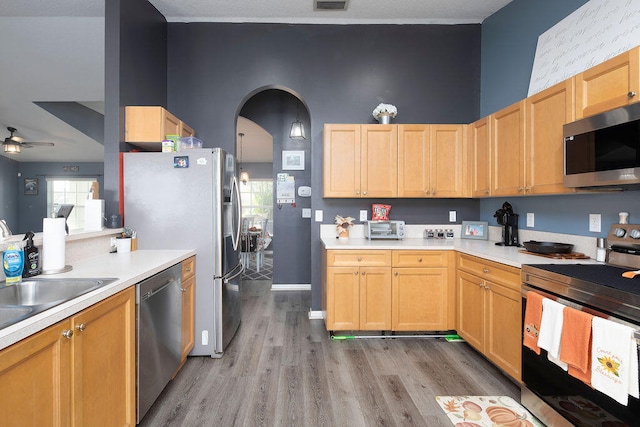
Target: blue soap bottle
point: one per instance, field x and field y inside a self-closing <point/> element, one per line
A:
<point x="13" y="263"/>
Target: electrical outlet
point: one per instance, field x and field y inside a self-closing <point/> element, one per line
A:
<point x="595" y="221"/>
<point x="306" y="212"/>
<point x="452" y="216"/>
<point x="530" y="219"/>
<point x="363" y="215"/>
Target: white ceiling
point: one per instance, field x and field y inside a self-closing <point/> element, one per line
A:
<point x="54" y="51"/>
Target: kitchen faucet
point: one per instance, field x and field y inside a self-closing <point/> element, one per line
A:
<point x="5" y="230"/>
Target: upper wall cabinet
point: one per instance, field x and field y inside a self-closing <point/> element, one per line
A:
<point x="480" y="153"/>
<point x="611" y="84"/>
<point x="507" y="150"/>
<point x="360" y="161"/>
<point x="146" y="127"/>
<point x="547" y="112"/>
<point x="431" y="160"/>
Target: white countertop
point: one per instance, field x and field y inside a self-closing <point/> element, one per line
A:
<point x="130" y="268"/>
<point x="481" y="248"/>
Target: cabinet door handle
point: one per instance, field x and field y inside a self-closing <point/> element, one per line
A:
<point x="358" y="192"/>
<point x="81" y="327"/>
<point x="364" y="273"/>
<point x="480" y="285"/>
<point x="419" y="259"/>
<point x="355" y="273"/>
<point x="519" y="188"/>
<point x="486" y="191"/>
<point x="395" y="273"/>
<point x="68" y="334"/>
<point x="183" y="290"/>
<point x="364" y="193"/>
<point x="527" y="189"/>
<point x="486" y="287"/>
<point x="485" y="270"/>
<point x="631" y="94"/>
<point x="359" y="258"/>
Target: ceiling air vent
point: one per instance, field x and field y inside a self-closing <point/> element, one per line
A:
<point x="330" y="4"/>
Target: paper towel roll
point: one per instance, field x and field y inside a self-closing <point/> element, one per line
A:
<point x="53" y="241"/>
<point x="93" y="214"/>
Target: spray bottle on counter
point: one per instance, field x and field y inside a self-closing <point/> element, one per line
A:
<point x="13" y="262"/>
<point x="31" y="257"/>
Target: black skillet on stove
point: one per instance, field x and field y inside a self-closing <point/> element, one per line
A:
<point x="547" y="247"/>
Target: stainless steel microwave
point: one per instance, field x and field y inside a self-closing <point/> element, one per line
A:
<point x="374" y="230"/>
<point x="604" y="150"/>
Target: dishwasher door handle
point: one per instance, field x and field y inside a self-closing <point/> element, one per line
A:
<point x="152" y="292"/>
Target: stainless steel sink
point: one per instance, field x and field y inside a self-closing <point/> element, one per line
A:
<point x="33" y="296"/>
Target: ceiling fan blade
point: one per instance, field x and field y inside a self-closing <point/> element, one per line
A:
<point x="37" y="144"/>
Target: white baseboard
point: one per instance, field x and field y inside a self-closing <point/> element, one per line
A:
<point x="291" y="287"/>
<point x="316" y="314"/>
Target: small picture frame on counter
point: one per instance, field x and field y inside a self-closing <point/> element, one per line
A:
<point x="478" y="230"/>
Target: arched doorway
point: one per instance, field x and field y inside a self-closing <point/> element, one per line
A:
<point x="274" y="110"/>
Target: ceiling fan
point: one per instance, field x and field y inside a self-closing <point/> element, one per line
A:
<point x="12" y="144"/>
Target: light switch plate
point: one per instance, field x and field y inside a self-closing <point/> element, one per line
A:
<point x="319" y="215"/>
<point x="306" y="212"/>
<point x="452" y="216"/>
<point x="595" y="221"/>
<point x="530" y="219"/>
<point x="363" y="215"/>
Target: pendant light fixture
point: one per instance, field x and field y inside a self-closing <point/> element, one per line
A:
<point x="11" y="148"/>
<point x="244" y="176"/>
<point x="297" y="128"/>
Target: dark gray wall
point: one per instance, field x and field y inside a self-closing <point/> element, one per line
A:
<point x="509" y="39"/>
<point x="341" y="73"/>
<point x="259" y="170"/>
<point x="135" y="74"/>
<point x="274" y="110"/>
<point x="33" y="208"/>
<point x="9" y="192"/>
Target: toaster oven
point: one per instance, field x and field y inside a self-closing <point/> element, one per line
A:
<point x="374" y="230"/>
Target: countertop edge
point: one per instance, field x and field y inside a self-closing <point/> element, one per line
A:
<point x="130" y="269"/>
<point x="485" y="249"/>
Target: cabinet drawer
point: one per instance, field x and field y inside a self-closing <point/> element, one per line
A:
<point x="188" y="268"/>
<point x="358" y="258"/>
<point x="419" y="258"/>
<point x="509" y="276"/>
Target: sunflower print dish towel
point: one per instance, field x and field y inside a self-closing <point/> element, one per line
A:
<point x="614" y="360"/>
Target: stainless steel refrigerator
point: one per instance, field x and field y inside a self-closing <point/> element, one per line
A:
<point x="190" y="200"/>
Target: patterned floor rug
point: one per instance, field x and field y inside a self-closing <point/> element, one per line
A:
<point x="486" y="411"/>
<point x="265" y="273"/>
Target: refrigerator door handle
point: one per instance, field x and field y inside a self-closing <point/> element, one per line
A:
<point x="235" y="204"/>
<point x="226" y="278"/>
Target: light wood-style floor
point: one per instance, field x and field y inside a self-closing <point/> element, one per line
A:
<point x="282" y="369"/>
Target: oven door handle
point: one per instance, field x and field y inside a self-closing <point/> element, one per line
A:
<point x="524" y="289"/>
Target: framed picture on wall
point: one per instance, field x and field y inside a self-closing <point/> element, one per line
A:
<point x="475" y="230"/>
<point x="31" y="186"/>
<point x="293" y="160"/>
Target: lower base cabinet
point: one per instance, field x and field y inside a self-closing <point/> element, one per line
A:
<point x="387" y="290"/>
<point x="490" y="311"/>
<point x="79" y="372"/>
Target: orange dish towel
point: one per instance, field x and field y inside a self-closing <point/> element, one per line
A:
<point x="532" y="318"/>
<point x="575" y="348"/>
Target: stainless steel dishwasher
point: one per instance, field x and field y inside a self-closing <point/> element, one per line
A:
<point x="159" y="318"/>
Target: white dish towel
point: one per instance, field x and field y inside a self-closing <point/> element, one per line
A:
<point x="614" y="361"/>
<point x="550" y="333"/>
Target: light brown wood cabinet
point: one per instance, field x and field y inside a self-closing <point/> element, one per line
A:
<point x="388" y="290"/>
<point x="147" y="126"/>
<point x="422" y="291"/>
<point x="431" y="160"/>
<point x="611" y="84"/>
<point x="360" y="161"/>
<point x="188" y="305"/>
<point x="80" y="371"/>
<point x="480" y="154"/>
<point x="490" y="311"/>
<point x="507" y="150"/>
<point x="357" y="294"/>
<point x="547" y="112"/>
